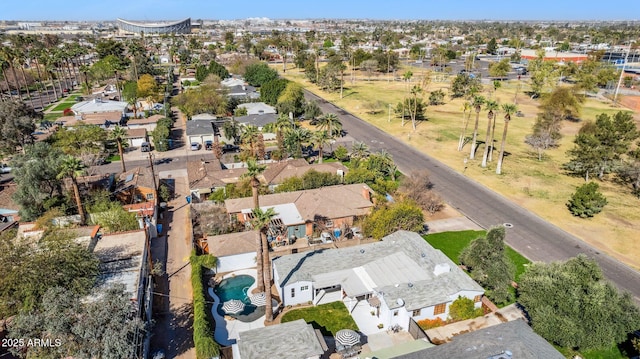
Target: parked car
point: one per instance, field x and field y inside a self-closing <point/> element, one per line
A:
<point x="208" y="145"/>
<point x="145" y="147"/>
<point x="230" y="148"/>
<point x="4" y="168"/>
<point x="195" y="146"/>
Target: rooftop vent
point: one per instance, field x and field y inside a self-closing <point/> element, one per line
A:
<point x="410" y="285"/>
<point x="362" y="251"/>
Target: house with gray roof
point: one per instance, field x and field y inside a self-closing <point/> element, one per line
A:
<point x="260" y="121"/>
<point x="257" y="108"/>
<point x="292" y="340"/>
<point x="508" y="340"/>
<point x="401" y="277"/>
<point x="204" y="127"/>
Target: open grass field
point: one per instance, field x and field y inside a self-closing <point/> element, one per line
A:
<point x="329" y="318"/>
<point x="539" y="186"/>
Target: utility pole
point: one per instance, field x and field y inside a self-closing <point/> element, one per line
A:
<point x="624" y="65"/>
<point x="153" y="174"/>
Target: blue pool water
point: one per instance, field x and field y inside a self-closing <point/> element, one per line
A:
<point x="236" y="288"/>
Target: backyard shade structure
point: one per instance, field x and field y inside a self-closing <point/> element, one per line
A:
<point x="259" y="299"/>
<point x="347" y="337"/>
<point x="233" y="306"/>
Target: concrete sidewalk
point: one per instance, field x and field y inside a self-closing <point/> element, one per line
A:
<point x="452" y="224"/>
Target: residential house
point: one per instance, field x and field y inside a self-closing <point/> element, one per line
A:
<point x="398" y="278"/>
<point x="260" y="121"/>
<point x="204" y="127"/>
<point x="105" y="120"/>
<point x="136" y="185"/>
<point x="508" y="340"/>
<point x="291" y="340"/>
<point x="98" y="105"/>
<point x="208" y="176"/>
<point x="136" y="136"/>
<point x="238" y="88"/>
<point x="257" y="108"/>
<point x="148" y="123"/>
<point x="302" y="212"/>
<point x="233" y="251"/>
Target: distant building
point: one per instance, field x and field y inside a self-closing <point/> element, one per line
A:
<point x="171" y="27"/>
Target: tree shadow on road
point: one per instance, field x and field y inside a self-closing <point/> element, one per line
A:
<point x="183" y="325"/>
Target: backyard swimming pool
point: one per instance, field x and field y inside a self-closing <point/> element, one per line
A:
<point x="237" y="288"/>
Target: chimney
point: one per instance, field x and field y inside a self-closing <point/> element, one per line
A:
<point x="366" y="194"/>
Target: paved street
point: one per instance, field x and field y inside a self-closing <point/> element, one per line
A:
<point x="530" y="235"/>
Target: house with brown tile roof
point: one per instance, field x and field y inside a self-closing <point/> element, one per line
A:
<point x="136" y="185"/>
<point x="325" y="207"/>
<point x="233" y="251"/>
<point x="148" y="123"/>
<point x="208" y="176"/>
<point x="136" y="136"/>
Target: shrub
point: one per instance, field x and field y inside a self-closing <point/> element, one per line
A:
<point x="464" y="308"/>
<point x="587" y="201"/>
<point x="427" y="324"/>
<point x="206" y="347"/>
<point x="404" y="215"/>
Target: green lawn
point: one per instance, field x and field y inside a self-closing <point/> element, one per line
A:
<point x="329" y="318"/>
<point x="63" y="106"/>
<point x="612" y="352"/>
<point x="452" y="243"/>
<point x="52" y="116"/>
<point x="113" y="158"/>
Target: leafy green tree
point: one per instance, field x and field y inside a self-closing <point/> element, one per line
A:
<point x="489" y="265"/>
<point x="68" y="264"/>
<point x="38" y="187"/>
<point x="436" y="98"/>
<point x="500" y="68"/>
<point x="629" y="170"/>
<point x="161" y="136"/>
<point x="17" y="123"/>
<point x="587" y="201"/>
<point x="110" y="215"/>
<point x="492" y="46"/>
<point x="218" y="70"/>
<point x="464" y="308"/>
<point x="403" y="215"/>
<point x="101" y="328"/>
<point x="147" y="87"/>
<point x="598" y="147"/>
<point x="291" y="100"/>
<point x="271" y="90"/>
<point x="311" y="110"/>
<point x="259" y="74"/>
<point x="85" y="142"/>
<point x="295" y="138"/>
<point x="571" y="304"/>
<point x="464" y="85"/>
<point x="341" y="153"/>
<point x="209" y="97"/>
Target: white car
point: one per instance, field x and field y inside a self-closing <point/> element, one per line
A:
<point x="4" y="168"/>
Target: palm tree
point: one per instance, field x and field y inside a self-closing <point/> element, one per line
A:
<point x="3" y="65"/>
<point x="508" y="109"/>
<point x="493" y="133"/>
<point x="477" y="105"/>
<point x="321" y="138"/>
<point x="465" y="123"/>
<point x="119" y="134"/>
<point x="260" y="222"/>
<point x="415" y="91"/>
<point x="295" y="138"/>
<point x="253" y="171"/>
<point x="359" y="150"/>
<point x="330" y="122"/>
<point x="19" y="59"/>
<point x="281" y="126"/>
<point x="491" y="106"/>
<point x="72" y="167"/>
<point x="249" y="138"/>
<point x="8" y="56"/>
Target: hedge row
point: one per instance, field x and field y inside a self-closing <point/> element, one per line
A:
<point x="206" y="346"/>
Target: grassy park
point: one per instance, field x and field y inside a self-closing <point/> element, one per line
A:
<point x="539" y="186"/>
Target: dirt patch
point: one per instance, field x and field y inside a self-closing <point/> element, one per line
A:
<point x="446" y="212"/>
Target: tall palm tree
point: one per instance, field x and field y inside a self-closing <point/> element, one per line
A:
<point x="260" y="222"/>
<point x="330" y="122"/>
<point x="491" y="106"/>
<point x="359" y="150"/>
<point x="320" y="139"/>
<point x="477" y="105"/>
<point x="72" y="167"/>
<point x="249" y="138"/>
<point x="119" y="134"/>
<point x="20" y="58"/>
<point x="508" y="109"/>
<point x="295" y="138"/>
<point x="493" y="134"/>
<point x="3" y="65"/>
<point x="8" y="55"/>
<point x="466" y="106"/>
<point x="253" y="171"/>
<point x="281" y="126"/>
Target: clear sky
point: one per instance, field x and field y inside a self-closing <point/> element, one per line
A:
<point x="303" y="9"/>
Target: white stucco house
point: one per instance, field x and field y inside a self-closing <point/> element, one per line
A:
<point x="399" y="278"/>
<point x="234" y="251"/>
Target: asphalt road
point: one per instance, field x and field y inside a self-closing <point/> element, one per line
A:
<point x="533" y="237"/>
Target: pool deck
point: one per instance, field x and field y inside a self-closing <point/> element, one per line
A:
<point x="227" y="331"/>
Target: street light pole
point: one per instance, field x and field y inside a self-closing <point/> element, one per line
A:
<point x="624" y="65"/>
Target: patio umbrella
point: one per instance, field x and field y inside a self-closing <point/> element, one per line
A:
<point x="347" y="337"/>
<point x="259" y="299"/>
<point x="233" y="306"/>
